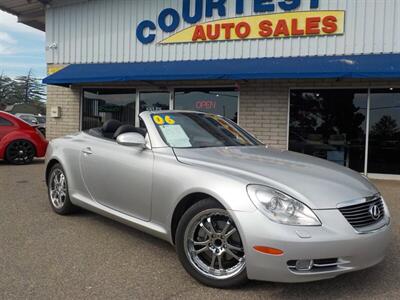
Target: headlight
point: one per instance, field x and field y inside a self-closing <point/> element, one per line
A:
<point x="281" y="208"/>
<point x="385" y="207"/>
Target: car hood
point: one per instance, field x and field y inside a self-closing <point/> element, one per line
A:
<point x="316" y="182"/>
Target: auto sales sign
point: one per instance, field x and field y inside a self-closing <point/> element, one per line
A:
<point x="265" y="23"/>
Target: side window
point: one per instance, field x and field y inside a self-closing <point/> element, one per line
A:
<point x="4" y="122"/>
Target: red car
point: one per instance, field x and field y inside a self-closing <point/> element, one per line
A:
<point x="19" y="141"/>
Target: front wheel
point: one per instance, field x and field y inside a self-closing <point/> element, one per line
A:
<point x="58" y="191"/>
<point x="209" y="246"/>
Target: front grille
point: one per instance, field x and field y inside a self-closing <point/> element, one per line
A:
<point x="325" y="263"/>
<point x="364" y="214"/>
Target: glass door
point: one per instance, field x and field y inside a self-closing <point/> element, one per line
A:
<point x="384" y="134"/>
<point x="152" y="101"/>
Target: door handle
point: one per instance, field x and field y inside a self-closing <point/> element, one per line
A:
<point x="87" y="151"/>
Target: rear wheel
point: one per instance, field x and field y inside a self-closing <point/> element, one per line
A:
<point x="58" y="191"/>
<point x="209" y="246"/>
<point x="20" y="152"/>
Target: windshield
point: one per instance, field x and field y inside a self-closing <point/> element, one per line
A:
<point x="41" y="120"/>
<point x="29" y="119"/>
<point x="194" y="130"/>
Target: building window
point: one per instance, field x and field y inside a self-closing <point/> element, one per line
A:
<point x="100" y="105"/>
<point x="330" y="124"/>
<point x="384" y="135"/>
<point x="153" y="101"/>
<point x="222" y="102"/>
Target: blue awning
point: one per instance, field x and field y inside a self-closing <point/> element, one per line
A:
<point x="385" y="66"/>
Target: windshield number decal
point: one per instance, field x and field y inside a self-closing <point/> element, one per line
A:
<point x="159" y="120"/>
<point x="169" y="120"/>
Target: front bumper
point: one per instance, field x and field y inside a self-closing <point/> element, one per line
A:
<point x="335" y="239"/>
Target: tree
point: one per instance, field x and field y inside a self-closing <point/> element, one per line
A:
<point x="385" y="129"/>
<point x="29" y="89"/>
<point x="6" y="89"/>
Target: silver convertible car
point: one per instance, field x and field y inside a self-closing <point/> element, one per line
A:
<point x="233" y="208"/>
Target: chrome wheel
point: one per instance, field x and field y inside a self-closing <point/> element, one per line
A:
<point x="213" y="245"/>
<point x="58" y="188"/>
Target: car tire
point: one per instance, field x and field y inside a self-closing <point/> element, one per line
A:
<point x="57" y="187"/>
<point x="207" y="242"/>
<point x="20" y="152"/>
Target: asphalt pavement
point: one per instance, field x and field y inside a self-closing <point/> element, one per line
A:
<point x="86" y="256"/>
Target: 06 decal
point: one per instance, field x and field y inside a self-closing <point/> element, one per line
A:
<point x="158" y="120"/>
<point x="169" y="120"/>
<point x="161" y="120"/>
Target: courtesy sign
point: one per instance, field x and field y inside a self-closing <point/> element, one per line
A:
<point x="263" y="26"/>
<point x="197" y="21"/>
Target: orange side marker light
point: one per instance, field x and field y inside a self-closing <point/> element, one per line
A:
<point x="268" y="250"/>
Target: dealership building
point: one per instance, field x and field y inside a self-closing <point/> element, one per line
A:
<point x="320" y="77"/>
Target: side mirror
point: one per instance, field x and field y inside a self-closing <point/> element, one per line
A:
<point x="132" y="139"/>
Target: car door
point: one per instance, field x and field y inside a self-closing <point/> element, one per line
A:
<point x="119" y="177"/>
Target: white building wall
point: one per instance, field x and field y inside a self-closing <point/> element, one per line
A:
<point x="102" y="31"/>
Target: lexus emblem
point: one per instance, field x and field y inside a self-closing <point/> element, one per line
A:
<point x="375" y="211"/>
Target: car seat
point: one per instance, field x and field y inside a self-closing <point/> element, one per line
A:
<point x="129" y="128"/>
<point x="110" y="127"/>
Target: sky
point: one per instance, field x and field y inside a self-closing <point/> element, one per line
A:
<point x="21" y="48"/>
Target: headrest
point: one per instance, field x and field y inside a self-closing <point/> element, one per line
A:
<point x="142" y="131"/>
<point x="124" y="129"/>
<point x="111" y="126"/>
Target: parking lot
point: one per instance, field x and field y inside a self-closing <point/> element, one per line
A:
<point x="46" y="256"/>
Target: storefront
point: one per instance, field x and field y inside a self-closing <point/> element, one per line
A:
<point x="314" y="76"/>
<point x="355" y="127"/>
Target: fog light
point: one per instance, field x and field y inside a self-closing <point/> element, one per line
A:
<point x="304" y="264"/>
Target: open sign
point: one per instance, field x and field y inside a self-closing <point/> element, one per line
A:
<point x="206" y="104"/>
